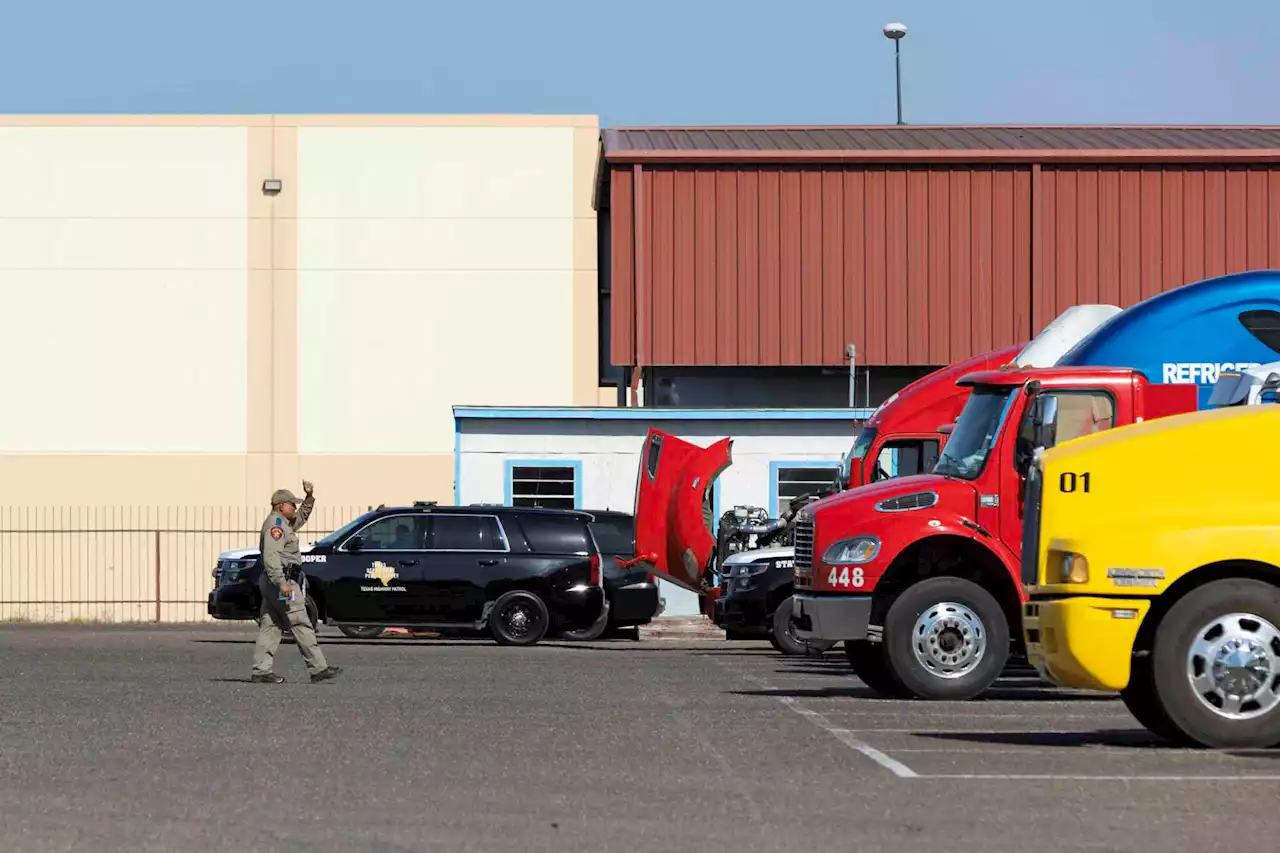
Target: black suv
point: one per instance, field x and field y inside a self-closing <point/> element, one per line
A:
<point x="631" y="595"/>
<point x="518" y="573"/>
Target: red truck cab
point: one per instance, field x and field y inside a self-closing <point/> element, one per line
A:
<point x="920" y="575"/>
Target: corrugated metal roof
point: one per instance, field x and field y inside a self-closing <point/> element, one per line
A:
<point x="809" y="141"/>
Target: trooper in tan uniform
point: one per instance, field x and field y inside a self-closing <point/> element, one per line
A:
<point x="283" y="588"/>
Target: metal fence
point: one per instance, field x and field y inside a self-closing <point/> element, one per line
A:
<point x="126" y="563"/>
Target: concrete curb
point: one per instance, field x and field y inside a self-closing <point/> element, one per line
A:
<point x="677" y="628"/>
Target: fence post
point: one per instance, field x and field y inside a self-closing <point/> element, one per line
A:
<point x="157" y="533"/>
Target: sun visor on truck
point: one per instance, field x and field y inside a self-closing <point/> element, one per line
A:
<point x="1192" y="334"/>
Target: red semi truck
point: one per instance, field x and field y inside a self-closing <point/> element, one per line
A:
<point x="920" y="576"/>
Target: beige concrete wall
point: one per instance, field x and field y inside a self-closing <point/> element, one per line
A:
<point x="178" y="338"/>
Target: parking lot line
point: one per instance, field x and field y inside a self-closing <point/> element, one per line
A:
<point x="1053" y="777"/>
<point x="843" y="735"/>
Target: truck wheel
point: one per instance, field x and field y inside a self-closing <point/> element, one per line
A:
<point x="519" y="618"/>
<point x="1216" y="664"/>
<point x="782" y="637"/>
<point x="946" y="639"/>
<point x="362" y="632"/>
<point x="870" y="664"/>
<point x="1140" y="698"/>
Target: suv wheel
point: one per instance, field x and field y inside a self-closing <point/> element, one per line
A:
<point x="362" y="632"/>
<point x="519" y="618"/>
<point x="593" y="631"/>
<point x="784" y="639"/>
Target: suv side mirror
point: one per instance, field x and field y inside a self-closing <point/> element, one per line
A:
<point x="355" y="544"/>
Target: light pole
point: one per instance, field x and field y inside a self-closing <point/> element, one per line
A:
<point x="897" y="32"/>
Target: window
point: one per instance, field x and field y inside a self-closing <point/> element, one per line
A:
<point x="449" y="532"/>
<point x="1078" y="413"/>
<point x="545" y="486"/>
<point x="615" y="534"/>
<point x="792" y="482"/>
<point x="549" y="534"/>
<point x="393" y="533"/>
<point x="904" y="458"/>
<point x="1263" y="325"/>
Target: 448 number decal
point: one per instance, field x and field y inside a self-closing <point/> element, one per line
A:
<point x="845" y="577"/>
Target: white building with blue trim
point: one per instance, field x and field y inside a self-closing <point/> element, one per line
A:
<point x="587" y="458"/>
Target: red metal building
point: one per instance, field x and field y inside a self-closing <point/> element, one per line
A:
<point x="775" y="247"/>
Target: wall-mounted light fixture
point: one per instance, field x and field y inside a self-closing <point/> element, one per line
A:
<point x="272" y="186"/>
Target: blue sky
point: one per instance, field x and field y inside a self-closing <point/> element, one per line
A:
<point x="655" y="62"/>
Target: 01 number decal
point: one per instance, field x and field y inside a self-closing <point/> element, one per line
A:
<point x="1070" y="481"/>
<point x="845" y="578"/>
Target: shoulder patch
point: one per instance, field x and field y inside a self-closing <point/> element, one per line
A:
<point x="276" y="532"/>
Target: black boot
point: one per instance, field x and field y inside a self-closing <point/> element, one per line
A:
<point x="266" y="678"/>
<point x="326" y="673"/>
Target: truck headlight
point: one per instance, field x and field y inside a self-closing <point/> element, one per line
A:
<point x="848" y="552"/>
<point x="1074" y="568"/>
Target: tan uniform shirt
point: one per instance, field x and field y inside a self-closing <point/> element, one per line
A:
<point x="278" y="542"/>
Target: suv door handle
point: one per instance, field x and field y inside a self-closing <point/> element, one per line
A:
<point x="487" y="562"/>
<point x="408" y="562"/>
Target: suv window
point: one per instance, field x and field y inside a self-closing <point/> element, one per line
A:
<point x="615" y="534"/>
<point x="394" y="533"/>
<point x="548" y="534"/>
<point x="449" y="532"/>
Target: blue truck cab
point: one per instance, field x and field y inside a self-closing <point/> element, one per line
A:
<point x="1191" y="334"/>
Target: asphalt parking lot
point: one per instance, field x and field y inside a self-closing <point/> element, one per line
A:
<point x="152" y="740"/>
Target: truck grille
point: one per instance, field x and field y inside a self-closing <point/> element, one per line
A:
<point x="804" y="543"/>
<point x="1031" y="526"/>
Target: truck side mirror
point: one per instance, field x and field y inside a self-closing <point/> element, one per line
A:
<point x="1044" y="420"/>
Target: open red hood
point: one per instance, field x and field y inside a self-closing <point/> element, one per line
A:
<point x="672" y="512"/>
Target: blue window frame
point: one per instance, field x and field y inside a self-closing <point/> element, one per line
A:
<point x="546" y="483"/>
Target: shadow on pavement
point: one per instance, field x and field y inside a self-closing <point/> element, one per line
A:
<point x="1137" y="738"/>
<point x="1030" y="693"/>
<point x="814" y="693"/>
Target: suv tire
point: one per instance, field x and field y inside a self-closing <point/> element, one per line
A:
<point x="519" y="618"/>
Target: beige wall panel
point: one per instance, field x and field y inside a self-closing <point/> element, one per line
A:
<point x="121" y="172"/>
<point x="123" y="244"/>
<point x="123" y="360"/>
<point x="435" y="244"/>
<point x="415" y="172"/>
<point x="372" y="479"/>
<point x="383" y="356"/>
<point x="74" y="479"/>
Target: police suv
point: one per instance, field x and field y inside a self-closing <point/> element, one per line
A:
<point x="513" y="571"/>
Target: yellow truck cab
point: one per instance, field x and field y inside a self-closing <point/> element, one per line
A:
<point x="1152" y="560"/>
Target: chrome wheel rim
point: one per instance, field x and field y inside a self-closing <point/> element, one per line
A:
<point x="1234" y="666"/>
<point x="949" y="640"/>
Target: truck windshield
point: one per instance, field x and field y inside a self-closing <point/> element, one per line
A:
<point x="975" y="433"/>
<point x="866" y="437"/>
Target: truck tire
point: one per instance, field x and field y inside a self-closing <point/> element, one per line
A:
<point x="1216" y="664"/>
<point x="1139" y="696"/>
<point x="870" y="664"/>
<point x="946" y="639"/>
